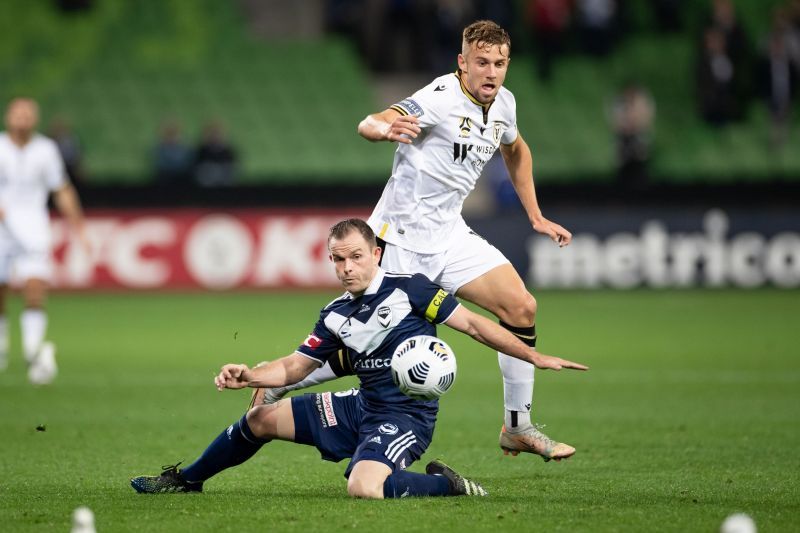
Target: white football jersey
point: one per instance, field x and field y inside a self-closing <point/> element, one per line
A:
<point x="431" y="177"/>
<point x="27" y="176"/>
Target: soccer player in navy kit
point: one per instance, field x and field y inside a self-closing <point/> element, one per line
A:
<point x="379" y="428"/>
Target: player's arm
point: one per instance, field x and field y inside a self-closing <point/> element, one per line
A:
<point x="494" y="336"/>
<point x="279" y="373"/>
<point x="389" y="125"/>
<point x="68" y="204"/>
<point x="519" y="162"/>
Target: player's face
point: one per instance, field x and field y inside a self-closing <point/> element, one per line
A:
<point x="356" y="264"/>
<point x="22" y="116"/>
<point x="484" y="69"/>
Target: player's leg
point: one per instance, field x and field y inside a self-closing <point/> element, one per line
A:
<point x="234" y="445"/>
<point x="33" y="321"/>
<point x="501" y="291"/>
<point x="387" y="445"/>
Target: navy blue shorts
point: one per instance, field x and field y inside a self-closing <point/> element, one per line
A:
<point x="337" y="425"/>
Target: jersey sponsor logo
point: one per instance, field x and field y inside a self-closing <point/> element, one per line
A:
<point x="440" y="88"/>
<point x="325" y="408"/>
<point x="464" y="127"/>
<point x="388" y="429"/>
<point x="346" y="393"/>
<point x="402" y="464"/>
<point x="312" y="341"/>
<point x="376" y="439"/>
<point x="373" y="363"/>
<point x="436" y="303"/>
<point x="385" y="316"/>
<point x="364" y="309"/>
<point x="411" y="106"/>
<point x="460" y="152"/>
<point x="229" y="431"/>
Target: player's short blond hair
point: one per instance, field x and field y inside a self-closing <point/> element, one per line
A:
<point x="486" y="33"/>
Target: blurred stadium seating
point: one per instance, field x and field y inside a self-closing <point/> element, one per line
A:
<point x="117" y="71"/>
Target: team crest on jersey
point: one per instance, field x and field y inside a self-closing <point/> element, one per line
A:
<point x="384" y="316"/>
<point x="496" y="132"/>
<point x="388" y="429"/>
<point x="464" y="127"/>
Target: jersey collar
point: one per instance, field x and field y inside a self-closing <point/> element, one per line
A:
<point x="375" y="284"/>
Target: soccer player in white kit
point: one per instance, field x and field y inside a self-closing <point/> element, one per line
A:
<point x="446" y="132"/>
<point x="31" y="169"/>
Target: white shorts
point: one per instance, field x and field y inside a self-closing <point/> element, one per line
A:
<point x="468" y="257"/>
<point x="20" y="264"/>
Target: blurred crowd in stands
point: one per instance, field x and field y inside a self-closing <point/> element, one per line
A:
<point x="732" y="69"/>
<point x="212" y="163"/>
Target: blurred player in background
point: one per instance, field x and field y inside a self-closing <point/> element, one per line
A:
<point x="31" y="169"/>
<point x="382" y="430"/>
<point x="447" y="131"/>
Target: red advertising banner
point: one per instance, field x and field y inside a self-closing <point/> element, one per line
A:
<point x="197" y="249"/>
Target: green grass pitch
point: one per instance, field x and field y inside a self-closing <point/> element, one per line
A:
<point x="691" y="411"/>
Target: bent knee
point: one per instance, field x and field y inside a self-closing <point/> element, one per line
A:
<point x="521" y="311"/>
<point x="361" y="488"/>
<point x="261" y="422"/>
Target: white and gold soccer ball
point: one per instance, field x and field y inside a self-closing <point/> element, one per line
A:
<point x="423" y="367"/>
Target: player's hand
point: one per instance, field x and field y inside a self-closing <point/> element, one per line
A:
<point x="558" y="233"/>
<point x="549" y="362"/>
<point x="232" y="377"/>
<point x="404" y="129"/>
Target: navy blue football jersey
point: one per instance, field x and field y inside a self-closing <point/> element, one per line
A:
<point x="393" y="308"/>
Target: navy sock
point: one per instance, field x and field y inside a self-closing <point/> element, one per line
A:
<point x="232" y="447"/>
<point x="402" y="484"/>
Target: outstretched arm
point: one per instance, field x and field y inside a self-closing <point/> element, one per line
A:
<point x="389" y="125"/>
<point x="519" y="162"/>
<point x="284" y="371"/>
<point x="492" y="335"/>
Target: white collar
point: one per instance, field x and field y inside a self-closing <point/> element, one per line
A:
<point x="375" y="284"/>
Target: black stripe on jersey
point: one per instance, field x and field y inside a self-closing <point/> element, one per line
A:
<point x="399" y="109"/>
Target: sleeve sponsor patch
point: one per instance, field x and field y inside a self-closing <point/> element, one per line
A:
<point x="436" y="303"/>
<point x="410" y="106"/>
<point x="312" y="341"/>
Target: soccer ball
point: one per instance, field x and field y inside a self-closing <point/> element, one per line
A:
<point x="423" y="367"/>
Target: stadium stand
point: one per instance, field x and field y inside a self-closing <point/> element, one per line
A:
<point x="118" y="71"/>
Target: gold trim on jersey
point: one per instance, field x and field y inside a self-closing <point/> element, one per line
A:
<point x="399" y="109"/>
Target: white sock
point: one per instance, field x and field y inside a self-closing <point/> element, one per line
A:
<point x="320" y="375"/>
<point x="34" y="325"/>
<point x="517" y="390"/>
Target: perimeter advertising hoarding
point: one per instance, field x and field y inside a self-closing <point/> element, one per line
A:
<point x="187" y="249"/>
<point x="190" y="249"/>
<point x="662" y="248"/>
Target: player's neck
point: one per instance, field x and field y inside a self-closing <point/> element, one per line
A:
<point x="468" y="93"/>
<point x="20" y="138"/>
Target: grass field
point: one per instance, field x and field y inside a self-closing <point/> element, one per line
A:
<point x="691" y="411"/>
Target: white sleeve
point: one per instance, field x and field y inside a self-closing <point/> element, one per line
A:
<point x="54" y="170"/>
<point x="428" y="105"/>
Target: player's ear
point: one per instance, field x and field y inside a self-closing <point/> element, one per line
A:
<point x="462" y="62"/>
<point x="376" y="253"/>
